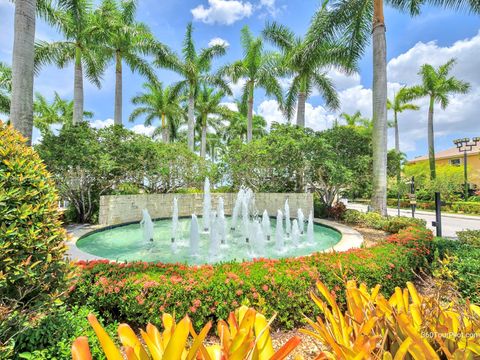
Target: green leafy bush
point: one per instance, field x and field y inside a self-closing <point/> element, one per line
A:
<point x="463" y="207"/>
<point x="469" y="237"/>
<point x="32" y="266"/>
<point x="391" y="224"/>
<point x="51" y="337"/>
<point x="465" y="268"/>
<point x="138" y="292"/>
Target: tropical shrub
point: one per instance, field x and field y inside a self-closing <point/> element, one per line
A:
<point x="135" y="292"/>
<point x="465" y="268"/>
<point x="391" y="224"/>
<point x="51" y="336"/>
<point x="469" y="237"/>
<point x="470" y="207"/>
<point x="88" y="163"/>
<point x="337" y="211"/>
<point x="246" y="335"/>
<point x="407" y="325"/>
<point x="32" y="267"/>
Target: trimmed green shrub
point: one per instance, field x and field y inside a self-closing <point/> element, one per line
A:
<point x="137" y="292"/>
<point x="465" y="207"/>
<point x="391" y="224"/>
<point x="466" y="267"/>
<point x="52" y="336"/>
<point x="469" y="237"/>
<point x="32" y="267"/>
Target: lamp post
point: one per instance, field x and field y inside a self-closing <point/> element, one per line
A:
<point x="465" y="145"/>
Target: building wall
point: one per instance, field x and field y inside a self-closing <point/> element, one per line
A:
<point x="473" y="163"/>
<point x="119" y="209"/>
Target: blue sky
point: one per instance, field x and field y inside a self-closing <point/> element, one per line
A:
<point x="435" y="36"/>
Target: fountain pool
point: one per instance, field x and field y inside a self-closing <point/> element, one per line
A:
<point x="127" y="243"/>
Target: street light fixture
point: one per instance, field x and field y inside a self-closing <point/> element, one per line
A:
<point x="465" y="145"/>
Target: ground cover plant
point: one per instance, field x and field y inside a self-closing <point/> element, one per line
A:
<point x="136" y="292"/>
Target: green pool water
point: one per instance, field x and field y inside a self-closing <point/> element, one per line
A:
<point x="126" y="243"/>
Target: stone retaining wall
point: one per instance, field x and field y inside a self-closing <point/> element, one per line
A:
<point x="118" y="209"/>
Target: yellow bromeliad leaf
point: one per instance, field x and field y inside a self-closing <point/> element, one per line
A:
<point x="155" y="350"/>
<point x="129" y="339"/>
<point x="264" y="341"/>
<point x="178" y="340"/>
<point x="197" y="343"/>
<point x="108" y="346"/>
<point x="168" y="326"/>
<point x="80" y="349"/>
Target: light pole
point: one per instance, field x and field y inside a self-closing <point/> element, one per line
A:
<point x="465" y="145"/>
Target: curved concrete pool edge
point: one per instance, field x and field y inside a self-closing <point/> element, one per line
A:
<point x="350" y="238"/>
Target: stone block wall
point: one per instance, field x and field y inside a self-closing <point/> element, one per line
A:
<point x="119" y="209"/>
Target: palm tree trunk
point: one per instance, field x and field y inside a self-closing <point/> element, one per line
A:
<point x="379" y="97"/>
<point x="203" y="148"/>
<point x="164" y="129"/>
<point x="250" y="114"/>
<point x="431" y="140"/>
<point x="191" y="120"/>
<point x="21" y="108"/>
<point x="397" y="134"/>
<point x="118" y="90"/>
<point x="78" y="89"/>
<point x="301" y="109"/>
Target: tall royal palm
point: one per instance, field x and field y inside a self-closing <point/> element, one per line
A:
<point x="209" y="112"/>
<point x="258" y="69"/>
<point x="194" y="68"/>
<point x="359" y="20"/>
<point x="128" y="41"/>
<point x="399" y="104"/>
<point x="158" y="103"/>
<point x="307" y="65"/>
<point x="84" y="46"/>
<point x="437" y="85"/>
<point x="237" y="125"/>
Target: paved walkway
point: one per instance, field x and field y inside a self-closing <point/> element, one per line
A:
<point x="451" y="223"/>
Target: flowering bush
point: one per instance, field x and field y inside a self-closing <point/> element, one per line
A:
<point x="137" y="292"/>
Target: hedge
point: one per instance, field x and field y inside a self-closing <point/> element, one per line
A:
<point x="465" y="207"/>
<point x="390" y="224"/>
<point x="139" y="292"/>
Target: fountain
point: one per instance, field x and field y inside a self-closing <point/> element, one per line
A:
<point x="245" y="220"/>
<point x="279" y="242"/>
<point x="310" y="234"/>
<point x="146" y="224"/>
<point x="207" y="205"/>
<point x="267" y="231"/>
<point x="194" y="237"/>
<point x="288" y="224"/>
<point x="237" y="207"/>
<point x="251" y="238"/>
<point x="222" y="223"/>
<point x="301" y="221"/>
<point x="295" y="233"/>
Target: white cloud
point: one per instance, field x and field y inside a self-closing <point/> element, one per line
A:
<point x="270" y="110"/>
<point x="237" y="88"/>
<point x="230" y="105"/>
<point x="224" y="12"/>
<point x="100" y="124"/>
<point x="143" y="130"/>
<point x="218" y="41"/>
<point x="459" y="116"/>
<point x="270" y="6"/>
<point x="343" y="81"/>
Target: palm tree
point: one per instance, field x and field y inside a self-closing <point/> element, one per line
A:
<point x="400" y="104"/>
<point x="306" y="65"/>
<point x="259" y="69"/>
<point x="159" y="102"/>
<point x="5" y="88"/>
<point x="238" y="123"/>
<point x="352" y="120"/>
<point x="208" y="104"/>
<point x="85" y="37"/>
<point x="358" y="20"/>
<point x="127" y="42"/>
<point x="437" y="85"/>
<point x="21" y="106"/>
<point x="59" y="111"/>
<point x="194" y="68"/>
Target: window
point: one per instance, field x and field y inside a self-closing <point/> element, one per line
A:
<point x="455" y="162"/>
